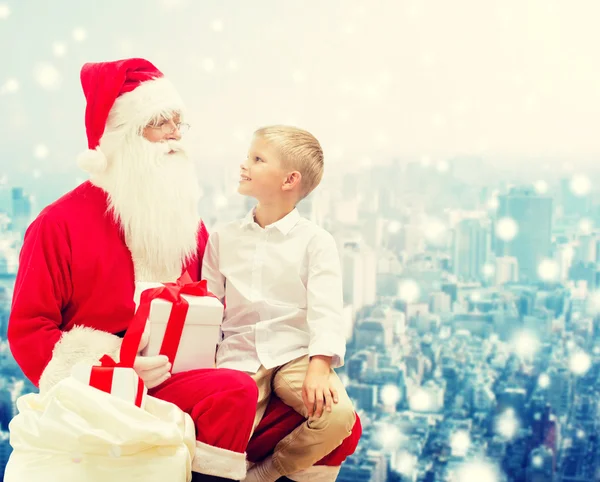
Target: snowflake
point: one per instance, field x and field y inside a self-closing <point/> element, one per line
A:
<point x="548" y="270"/>
<point x="507" y="424"/>
<point x="40" y="151"/>
<point x="217" y="25"/>
<point x="409" y="291"/>
<point x="443" y="166"/>
<point x="10" y="86"/>
<point x="525" y="344"/>
<point x="4" y="11"/>
<point x="406" y="463"/>
<point x="506" y="229"/>
<point x="544" y="380"/>
<point x="79" y="34"/>
<point x="389" y="436"/>
<point x="59" y="49"/>
<point x="585" y="226"/>
<point x="390" y="395"/>
<point x="488" y="270"/>
<point x="580" y="362"/>
<point x="541" y="187"/>
<point x="47" y="76"/>
<point x="233" y="65"/>
<point x="394" y="226"/>
<point x="537" y="461"/>
<point x="478" y="471"/>
<point x="580" y="185"/>
<point x="460" y="442"/>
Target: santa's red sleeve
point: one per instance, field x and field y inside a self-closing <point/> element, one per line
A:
<point x="42" y="288"/>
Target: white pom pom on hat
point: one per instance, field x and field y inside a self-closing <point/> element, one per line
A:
<point x="93" y="161"/>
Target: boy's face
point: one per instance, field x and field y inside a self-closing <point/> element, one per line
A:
<point x="261" y="174"/>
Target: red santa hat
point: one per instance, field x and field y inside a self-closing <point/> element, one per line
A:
<point x="125" y="92"/>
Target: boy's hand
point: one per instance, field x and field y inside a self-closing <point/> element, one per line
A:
<point x="317" y="388"/>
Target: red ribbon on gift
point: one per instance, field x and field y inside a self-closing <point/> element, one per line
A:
<point x="102" y="376"/>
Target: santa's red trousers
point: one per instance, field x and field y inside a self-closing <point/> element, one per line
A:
<point x="222" y="404"/>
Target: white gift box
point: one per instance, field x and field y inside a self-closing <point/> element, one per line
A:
<point x="201" y="332"/>
<point x="120" y="382"/>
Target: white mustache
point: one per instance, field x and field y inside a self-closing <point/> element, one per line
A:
<point x="171" y="146"/>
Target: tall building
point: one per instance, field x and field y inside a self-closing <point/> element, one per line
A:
<point x="359" y="271"/>
<point x="21" y="210"/>
<point x="507" y="270"/>
<point x="471" y="247"/>
<point x="532" y="216"/>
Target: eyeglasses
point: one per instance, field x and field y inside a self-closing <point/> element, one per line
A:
<point x="168" y="127"/>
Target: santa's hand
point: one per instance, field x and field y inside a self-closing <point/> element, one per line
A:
<point x="153" y="370"/>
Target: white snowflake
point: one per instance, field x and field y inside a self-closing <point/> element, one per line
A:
<point x="10" y="86"/>
<point x="389" y="436"/>
<point x="220" y="201"/>
<point x="548" y="270"/>
<point x="434" y="230"/>
<point x="493" y="203"/>
<point x="390" y="395"/>
<point x="585" y="226"/>
<point x="580" y="362"/>
<point x="525" y="344"/>
<point x="40" y="151"/>
<point x="537" y="461"/>
<point x="580" y="185"/>
<point x="506" y="229"/>
<point x="4" y="11"/>
<point x="478" y="471"/>
<point x="460" y="442"/>
<point x="544" y="380"/>
<point x="541" y="187"/>
<point x="488" y="270"/>
<point x="79" y="34"/>
<point x="47" y="76"/>
<point x="443" y="166"/>
<point x="233" y="65"/>
<point x="406" y="463"/>
<point x="394" y="226"/>
<point x="409" y="291"/>
<point x="217" y="25"/>
<point x="59" y="49"/>
<point x="507" y="425"/>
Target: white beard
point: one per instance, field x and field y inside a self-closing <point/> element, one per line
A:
<point x="154" y="196"/>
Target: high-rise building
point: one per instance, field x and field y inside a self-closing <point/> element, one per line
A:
<point x="524" y="228"/>
<point x="507" y="270"/>
<point x="359" y="271"/>
<point x="21" y="210"/>
<point x="471" y="247"/>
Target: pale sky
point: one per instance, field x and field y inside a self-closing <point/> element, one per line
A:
<point x="371" y="79"/>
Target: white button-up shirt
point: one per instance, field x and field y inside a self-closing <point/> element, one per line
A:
<point x="282" y="287"/>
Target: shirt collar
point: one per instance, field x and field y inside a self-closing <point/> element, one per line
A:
<point x="284" y="225"/>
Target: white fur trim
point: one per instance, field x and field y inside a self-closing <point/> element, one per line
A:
<point x="316" y="473"/>
<point x="93" y="161"/>
<point x="212" y="460"/>
<point x="81" y="344"/>
<point x="142" y="104"/>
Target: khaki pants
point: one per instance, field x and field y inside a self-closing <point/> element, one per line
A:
<point x="316" y="437"/>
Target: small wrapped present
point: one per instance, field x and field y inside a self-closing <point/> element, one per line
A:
<point x="184" y="321"/>
<point x="121" y="382"/>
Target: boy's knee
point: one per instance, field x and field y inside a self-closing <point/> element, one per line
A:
<point x="343" y="419"/>
<point x="339" y="421"/>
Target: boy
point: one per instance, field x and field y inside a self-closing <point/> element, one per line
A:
<point x="281" y="279"/>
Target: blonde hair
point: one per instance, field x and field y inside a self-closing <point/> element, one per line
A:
<point x="299" y="150"/>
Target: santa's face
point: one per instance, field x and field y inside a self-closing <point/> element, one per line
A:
<point x="153" y="193"/>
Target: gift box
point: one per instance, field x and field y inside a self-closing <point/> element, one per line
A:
<point x="186" y="328"/>
<point x="121" y="382"/>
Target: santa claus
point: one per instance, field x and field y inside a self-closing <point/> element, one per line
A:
<point x="135" y="219"/>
